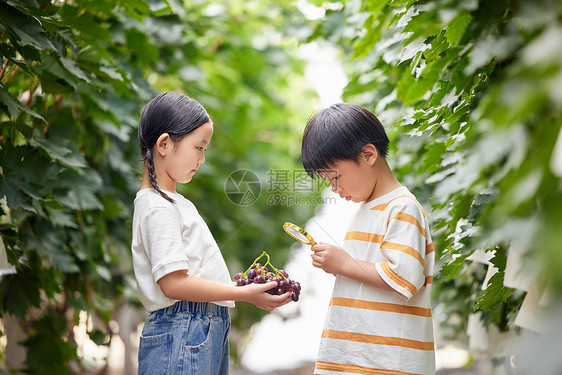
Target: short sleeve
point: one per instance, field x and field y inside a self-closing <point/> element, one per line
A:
<point x="404" y="246"/>
<point x="161" y="232"/>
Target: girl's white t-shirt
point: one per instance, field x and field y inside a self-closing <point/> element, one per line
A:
<point x="170" y="237"/>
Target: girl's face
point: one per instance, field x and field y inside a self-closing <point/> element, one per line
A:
<point x="188" y="154"/>
<point x="352" y="180"/>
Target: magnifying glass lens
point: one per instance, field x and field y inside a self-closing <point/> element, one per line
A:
<point x="298" y="233"/>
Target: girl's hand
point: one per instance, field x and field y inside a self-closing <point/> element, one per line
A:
<point x="328" y="257"/>
<point x="255" y="294"/>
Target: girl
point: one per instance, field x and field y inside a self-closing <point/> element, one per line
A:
<point x="182" y="278"/>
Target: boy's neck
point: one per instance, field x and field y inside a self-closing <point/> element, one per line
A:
<point x="385" y="181"/>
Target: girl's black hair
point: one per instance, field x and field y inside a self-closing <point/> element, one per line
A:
<point x="340" y="132"/>
<point x="173" y="113"/>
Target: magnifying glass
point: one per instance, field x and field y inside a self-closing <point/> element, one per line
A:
<point x="298" y="234"/>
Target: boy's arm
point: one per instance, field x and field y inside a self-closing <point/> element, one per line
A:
<point x="336" y="261"/>
<point x="365" y="272"/>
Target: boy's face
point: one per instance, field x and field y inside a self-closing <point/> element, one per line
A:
<point x="353" y="181"/>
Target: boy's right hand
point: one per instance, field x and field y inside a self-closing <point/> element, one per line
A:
<point x="329" y="257"/>
<point x="255" y="294"/>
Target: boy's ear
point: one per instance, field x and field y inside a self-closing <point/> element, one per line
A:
<point x="163" y="144"/>
<point x="370" y="154"/>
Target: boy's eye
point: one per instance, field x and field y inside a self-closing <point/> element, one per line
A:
<point x="199" y="148"/>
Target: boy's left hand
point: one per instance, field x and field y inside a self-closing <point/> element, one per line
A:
<point x="328" y="257"/>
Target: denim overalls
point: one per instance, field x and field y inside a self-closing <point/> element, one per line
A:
<point x="187" y="338"/>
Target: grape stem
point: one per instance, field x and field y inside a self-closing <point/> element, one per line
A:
<point x="276" y="271"/>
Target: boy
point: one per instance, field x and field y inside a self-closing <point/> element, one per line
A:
<point x="379" y="319"/>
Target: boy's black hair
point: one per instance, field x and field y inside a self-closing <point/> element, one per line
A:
<point x="173" y="113"/>
<point x="340" y="132"/>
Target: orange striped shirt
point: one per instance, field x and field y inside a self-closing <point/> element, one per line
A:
<point x="369" y="330"/>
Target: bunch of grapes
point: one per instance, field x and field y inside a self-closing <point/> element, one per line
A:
<point x="260" y="274"/>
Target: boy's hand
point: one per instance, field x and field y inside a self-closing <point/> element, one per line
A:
<point x="328" y="257"/>
<point x="256" y="295"/>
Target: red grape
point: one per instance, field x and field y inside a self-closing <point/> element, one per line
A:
<point x="259" y="274"/>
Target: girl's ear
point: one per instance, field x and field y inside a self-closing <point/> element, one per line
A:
<point x="370" y="154"/>
<point x="163" y="144"/>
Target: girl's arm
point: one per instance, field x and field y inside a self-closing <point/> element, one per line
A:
<point x="336" y="261"/>
<point x="181" y="286"/>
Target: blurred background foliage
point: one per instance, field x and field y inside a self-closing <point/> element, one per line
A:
<point x="74" y="78"/>
<point x="469" y="91"/>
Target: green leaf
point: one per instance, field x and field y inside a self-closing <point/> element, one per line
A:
<point x="73" y="68"/>
<point x="98" y="336"/>
<point x="424" y="23"/>
<point x="20" y="292"/>
<point x="61" y="218"/>
<point x="48" y="352"/>
<point x="15" y="107"/>
<point x="375" y="7"/>
<point x="27" y="30"/>
<point x="136" y="9"/>
<point x="53" y="74"/>
<point x="29" y="6"/>
<point x="20" y="172"/>
<point x="457" y="28"/>
<point x="451" y="269"/>
<point x="411" y="90"/>
<point x="91" y="29"/>
<point x="432" y="158"/>
<point x="481" y="202"/>
<point x="7" y="51"/>
<point x="10" y="103"/>
<point x="78" y="191"/>
<point x="139" y="43"/>
<point x="494" y="294"/>
<point x="59" y="149"/>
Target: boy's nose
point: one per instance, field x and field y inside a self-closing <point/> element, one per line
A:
<point x="335" y="188"/>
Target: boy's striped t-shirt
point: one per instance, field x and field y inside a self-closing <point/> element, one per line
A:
<point x="369" y="330"/>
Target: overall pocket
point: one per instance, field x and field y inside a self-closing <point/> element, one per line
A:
<point x="203" y="353"/>
<point x="155" y="354"/>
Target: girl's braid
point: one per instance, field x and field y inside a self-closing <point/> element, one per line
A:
<point x="152" y="175"/>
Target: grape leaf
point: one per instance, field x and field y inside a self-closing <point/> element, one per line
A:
<point x="457" y="27"/>
<point x="494" y="294"/>
<point x="27" y="29"/>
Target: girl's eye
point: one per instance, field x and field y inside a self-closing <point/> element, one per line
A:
<point x="199" y="148"/>
<point x="337" y="177"/>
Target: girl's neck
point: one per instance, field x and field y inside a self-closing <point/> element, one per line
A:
<point x="145" y="184"/>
